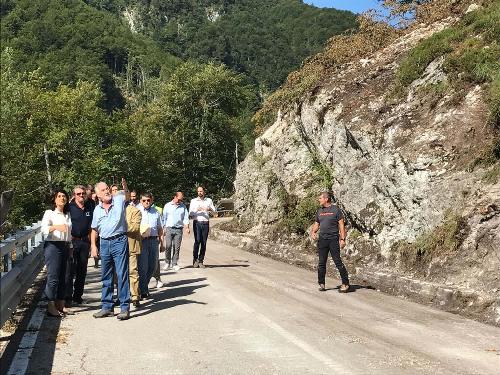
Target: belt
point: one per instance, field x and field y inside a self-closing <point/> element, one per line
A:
<point x="175" y="227"/>
<point x="150" y="237"/>
<point x="86" y="238"/>
<point x="202" y="222"/>
<point x="113" y="237"/>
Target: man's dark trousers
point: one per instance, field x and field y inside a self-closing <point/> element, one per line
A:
<point x="200" y="229"/>
<point x="76" y="271"/>
<point x="81" y="251"/>
<point x="331" y="246"/>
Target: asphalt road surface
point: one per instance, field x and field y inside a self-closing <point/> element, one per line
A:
<point x="246" y="314"/>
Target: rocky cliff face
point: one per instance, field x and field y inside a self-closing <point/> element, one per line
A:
<point x="404" y="171"/>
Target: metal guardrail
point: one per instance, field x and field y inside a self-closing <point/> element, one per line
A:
<point x="22" y="260"/>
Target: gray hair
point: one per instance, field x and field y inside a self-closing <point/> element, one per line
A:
<point x="79" y="187"/>
<point x="96" y="187"/>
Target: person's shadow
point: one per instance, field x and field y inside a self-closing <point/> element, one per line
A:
<point x="352" y="288"/>
<point x="169" y="297"/>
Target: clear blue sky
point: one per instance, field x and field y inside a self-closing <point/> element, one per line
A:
<point x="356" y="6"/>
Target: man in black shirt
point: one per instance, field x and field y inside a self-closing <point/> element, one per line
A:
<point x="81" y="218"/>
<point x="330" y="222"/>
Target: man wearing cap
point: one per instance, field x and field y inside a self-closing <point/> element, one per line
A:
<point x="109" y="223"/>
<point x="151" y="231"/>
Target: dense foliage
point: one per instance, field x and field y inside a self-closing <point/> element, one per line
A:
<point x="265" y="39"/>
<point x="97" y="89"/>
<point x="185" y="137"/>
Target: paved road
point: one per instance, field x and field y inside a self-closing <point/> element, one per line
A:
<point x="246" y="314"/>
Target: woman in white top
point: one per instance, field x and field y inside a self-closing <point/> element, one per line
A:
<point x="56" y="227"/>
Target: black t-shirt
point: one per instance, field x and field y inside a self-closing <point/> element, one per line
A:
<point x="81" y="219"/>
<point x="328" y="219"/>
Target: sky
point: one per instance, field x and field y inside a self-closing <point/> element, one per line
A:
<point x="356" y="6"/>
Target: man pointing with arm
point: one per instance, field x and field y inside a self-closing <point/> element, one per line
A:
<point x="109" y="223"/>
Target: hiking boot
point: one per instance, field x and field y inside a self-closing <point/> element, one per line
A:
<point x="103" y="314"/>
<point x="124" y="315"/>
<point x="344" y="288"/>
<point x="321" y="287"/>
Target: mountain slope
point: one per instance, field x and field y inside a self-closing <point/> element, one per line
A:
<point x="262" y="38"/>
<point x="408" y="140"/>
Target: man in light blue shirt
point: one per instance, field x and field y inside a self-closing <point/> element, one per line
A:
<point x="109" y="223"/>
<point x="175" y="218"/>
<point x="152" y="233"/>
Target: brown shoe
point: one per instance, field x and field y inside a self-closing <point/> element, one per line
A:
<point x="344" y="288"/>
<point x="322" y="287"/>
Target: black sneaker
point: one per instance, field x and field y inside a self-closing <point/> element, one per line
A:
<point x="124" y="315"/>
<point x="136" y="303"/>
<point x="103" y="314"/>
<point x="116" y="303"/>
<point x="77" y="301"/>
<point x="145" y="295"/>
<point x="322" y="287"/>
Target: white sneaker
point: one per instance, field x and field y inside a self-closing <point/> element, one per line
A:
<point x="166" y="267"/>
<point x="176" y="267"/>
<point x="159" y="284"/>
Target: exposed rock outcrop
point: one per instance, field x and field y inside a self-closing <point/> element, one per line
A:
<point x="403" y="171"/>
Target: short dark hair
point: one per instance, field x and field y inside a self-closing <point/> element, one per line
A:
<point x="327" y="194"/>
<point x="112" y="186"/>
<point x="147" y="195"/>
<point x="177" y="193"/>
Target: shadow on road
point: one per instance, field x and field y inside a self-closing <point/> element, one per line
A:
<point x="164" y="299"/>
<point x="47" y="336"/>
<point x="226" y="265"/>
<point x="353" y="288"/>
<point x="185" y="281"/>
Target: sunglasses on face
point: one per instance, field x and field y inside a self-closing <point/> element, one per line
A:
<point x="146" y="200"/>
<point x="80" y="194"/>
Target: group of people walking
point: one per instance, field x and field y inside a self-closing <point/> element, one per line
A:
<point x="126" y="233"/>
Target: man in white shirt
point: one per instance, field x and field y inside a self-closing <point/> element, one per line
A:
<point x="199" y="209"/>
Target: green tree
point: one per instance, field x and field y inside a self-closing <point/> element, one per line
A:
<point x="191" y="128"/>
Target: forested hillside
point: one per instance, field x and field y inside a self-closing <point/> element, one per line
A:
<point x="160" y="92"/>
<point x="265" y="39"/>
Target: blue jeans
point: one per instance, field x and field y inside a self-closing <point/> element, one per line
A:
<point x="114" y="255"/>
<point x="147" y="262"/>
